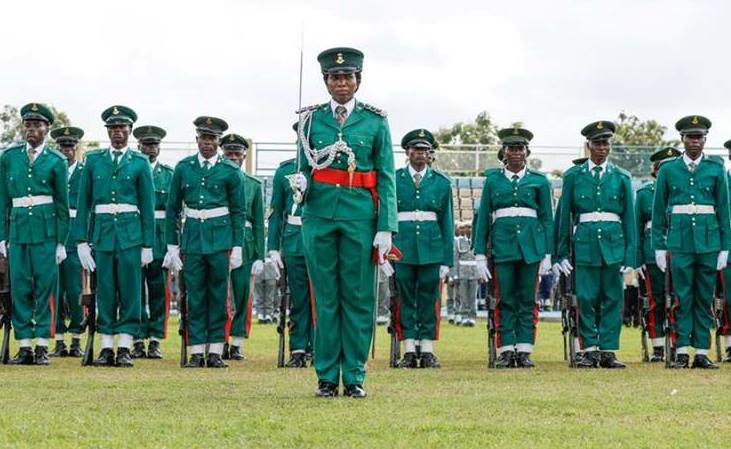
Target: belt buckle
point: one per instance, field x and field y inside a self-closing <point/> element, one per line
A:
<point x="30" y="200"/>
<point x="115" y="208"/>
<point x="693" y="209"/>
<point x="202" y="215"/>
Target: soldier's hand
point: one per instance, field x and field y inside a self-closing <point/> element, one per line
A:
<point x="382" y="241"/>
<point x="386" y="269"/>
<point x="172" y="260"/>
<point x="257" y="267"/>
<point x="146" y="256"/>
<point x="482" y="269"/>
<point x="87" y="261"/>
<point x="443" y="270"/>
<point x="4" y="248"/>
<point x="60" y="253"/>
<point x="276" y="257"/>
<point x="563" y="267"/>
<point x="545" y="265"/>
<point x="236" y="259"/>
<point x="722" y="260"/>
<point x="299" y="183"/>
<point x="661" y="259"/>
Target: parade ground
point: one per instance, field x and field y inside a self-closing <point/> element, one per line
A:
<point x="253" y="404"/>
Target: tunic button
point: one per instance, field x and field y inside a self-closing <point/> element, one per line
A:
<point x="337" y="185"/>
<point x="515" y="194"/>
<point x="518" y="231"/>
<point x="599" y="236"/>
<point x="30" y="213"/>
<point x="417" y="232"/>
<point x="30" y="176"/>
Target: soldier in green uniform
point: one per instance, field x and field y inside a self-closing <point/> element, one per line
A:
<point x="653" y="278"/>
<point x="597" y="218"/>
<point x="690" y="224"/>
<point x="347" y="183"/>
<point x="69" y="280"/>
<point x="425" y="238"/>
<point x="34" y="216"/>
<point x="285" y="239"/>
<point x="116" y="195"/>
<point x="211" y="187"/>
<point x="726" y="325"/>
<point x="155" y="295"/>
<point x="235" y="148"/>
<point x="516" y="219"/>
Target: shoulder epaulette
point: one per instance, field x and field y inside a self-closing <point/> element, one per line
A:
<point x="287" y="162"/>
<point x="228" y="163"/>
<point x="140" y="155"/>
<point x="56" y="153"/>
<point x="373" y="109"/>
<point x="716" y="159"/>
<point x="622" y="171"/>
<point x="95" y="152"/>
<point x="253" y="178"/>
<point x="309" y="108"/>
<point x="14" y="147"/>
<point x="165" y="166"/>
<point x="536" y="172"/>
<point x="442" y="174"/>
<point x="493" y="170"/>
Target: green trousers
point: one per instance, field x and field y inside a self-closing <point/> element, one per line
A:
<point x="655" y="288"/>
<point x="420" y="301"/>
<point x="118" y="291"/>
<point x="155" y="302"/>
<point x="600" y="295"/>
<point x="343" y="276"/>
<point x="516" y="310"/>
<point x="69" y="294"/>
<point x="242" y="300"/>
<point x="33" y="286"/>
<point x="694" y="278"/>
<point x="206" y="281"/>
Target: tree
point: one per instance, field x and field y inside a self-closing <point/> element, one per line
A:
<point x="11" y="125"/>
<point x="633" y="142"/>
<point x="467" y="148"/>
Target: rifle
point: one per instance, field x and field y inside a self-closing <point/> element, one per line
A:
<point x="393" y="328"/>
<point x="644" y="294"/>
<point x="6" y="310"/>
<point x="88" y="301"/>
<point x="283" y="311"/>
<point x="719" y="300"/>
<point x="671" y="304"/>
<point x="569" y="311"/>
<point x="491" y="303"/>
<point x="183" y="329"/>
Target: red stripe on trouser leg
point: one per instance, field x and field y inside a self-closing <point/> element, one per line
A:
<point x="535" y="307"/>
<point x="438" y="309"/>
<point x="498" y="340"/>
<point x="651" y="323"/>
<point x="250" y="304"/>
<point x="52" y="306"/>
<point x="397" y="321"/>
<point x="312" y="304"/>
<point x="167" y="306"/>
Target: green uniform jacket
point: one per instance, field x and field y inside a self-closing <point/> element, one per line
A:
<point x="515" y="238"/>
<point x="425" y="242"/>
<point x="74" y="183"/>
<point x="367" y="133"/>
<point x="220" y="186"/>
<point x="643" y="212"/>
<point x="162" y="176"/>
<point x="699" y="233"/>
<point x="282" y="235"/>
<point x="47" y="176"/>
<point x="254" y="207"/>
<point x="582" y="193"/>
<point x="129" y="183"/>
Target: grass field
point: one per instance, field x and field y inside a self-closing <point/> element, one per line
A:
<point x="253" y="404"/>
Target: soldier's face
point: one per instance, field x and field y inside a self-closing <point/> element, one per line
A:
<point x="69" y="150"/>
<point x="694" y="144"/>
<point x="236" y="156"/>
<point x="342" y="87"/>
<point x="35" y="131"/>
<point x="599" y="150"/>
<point x="207" y="145"/>
<point x="151" y="150"/>
<point x="516" y="155"/>
<point x="417" y="157"/>
<point x="118" y="135"/>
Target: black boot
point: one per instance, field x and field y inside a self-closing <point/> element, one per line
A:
<point x="153" y="350"/>
<point x="25" y="356"/>
<point x="680" y="362"/>
<point x="703" y="362"/>
<point x="196" y="361"/>
<point x="609" y="360"/>
<point x="728" y="355"/>
<point x="524" y="361"/>
<point x="428" y="360"/>
<point x="235" y="353"/>
<point x="106" y="358"/>
<point x="506" y="359"/>
<point x="215" y="361"/>
<point x="138" y="351"/>
<point x="124" y="358"/>
<point x="658" y="354"/>
<point x="297" y="360"/>
<point x="590" y="359"/>
<point x="326" y="389"/>
<point x="41" y="354"/>
<point x="224" y="354"/>
<point x="60" y="350"/>
<point x="354" y="391"/>
<point x="409" y="360"/>
<point x="75" y="350"/>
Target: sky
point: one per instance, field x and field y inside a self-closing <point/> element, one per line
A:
<point x="555" y="66"/>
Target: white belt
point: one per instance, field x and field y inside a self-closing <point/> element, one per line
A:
<point x="468" y="263"/>
<point x="32" y="200"/>
<point x="418" y="215"/>
<point x="598" y="216"/>
<point x="692" y="209"/>
<point x="294" y="220"/>
<point x="513" y="212"/>
<point x="159" y="215"/>
<point x="648" y="225"/>
<point x="115" y="208"/>
<point x="248" y="224"/>
<point x="203" y="214"/>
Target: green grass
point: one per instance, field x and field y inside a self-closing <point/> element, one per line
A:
<point x="253" y="404"/>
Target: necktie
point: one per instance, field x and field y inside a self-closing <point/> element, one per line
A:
<point x="515" y="181"/>
<point x="417" y="179"/>
<point x="340" y="116"/>
<point x="691" y="167"/>
<point x="117" y="155"/>
<point x="206" y="165"/>
<point x="597" y="172"/>
<point x="31" y="155"/>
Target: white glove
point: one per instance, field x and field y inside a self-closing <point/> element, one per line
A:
<point x="236" y="259"/>
<point x="482" y="270"/>
<point x="4" y="248"/>
<point x="299" y="182"/>
<point x="722" y="260"/>
<point x="172" y="260"/>
<point x="626" y="270"/>
<point x="386" y="269"/>
<point x="661" y="259"/>
<point x="146" y="256"/>
<point x="84" y="251"/>
<point x="382" y="241"/>
<point x="257" y="267"/>
<point x="60" y="253"/>
<point x="545" y="265"/>
<point x="641" y="271"/>
<point x="443" y="270"/>
<point x="563" y="267"/>
<point x="276" y="257"/>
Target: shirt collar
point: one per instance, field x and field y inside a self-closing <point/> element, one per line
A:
<point x="39" y="149"/>
<point x="412" y="171"/>
<point x="688" y="160"/>
<point x="349" y="106"/>
<point x="603" y="165"/>
<point x="72" y="167"/>
<point x="509" y="174"/>
<point x="212" y="160"/>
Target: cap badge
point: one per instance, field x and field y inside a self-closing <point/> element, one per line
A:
<point x="231" y="138"/>
<point x="66" y="132"/>
<point x="600" y="125"/>
<point x="339" y="58"/>
<point x="209" y="121"/>
<point x="695" y="120"/>
<point x="421" y="133"/>
<point x="115" y="111"/>
<point x="34" y="107"/>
